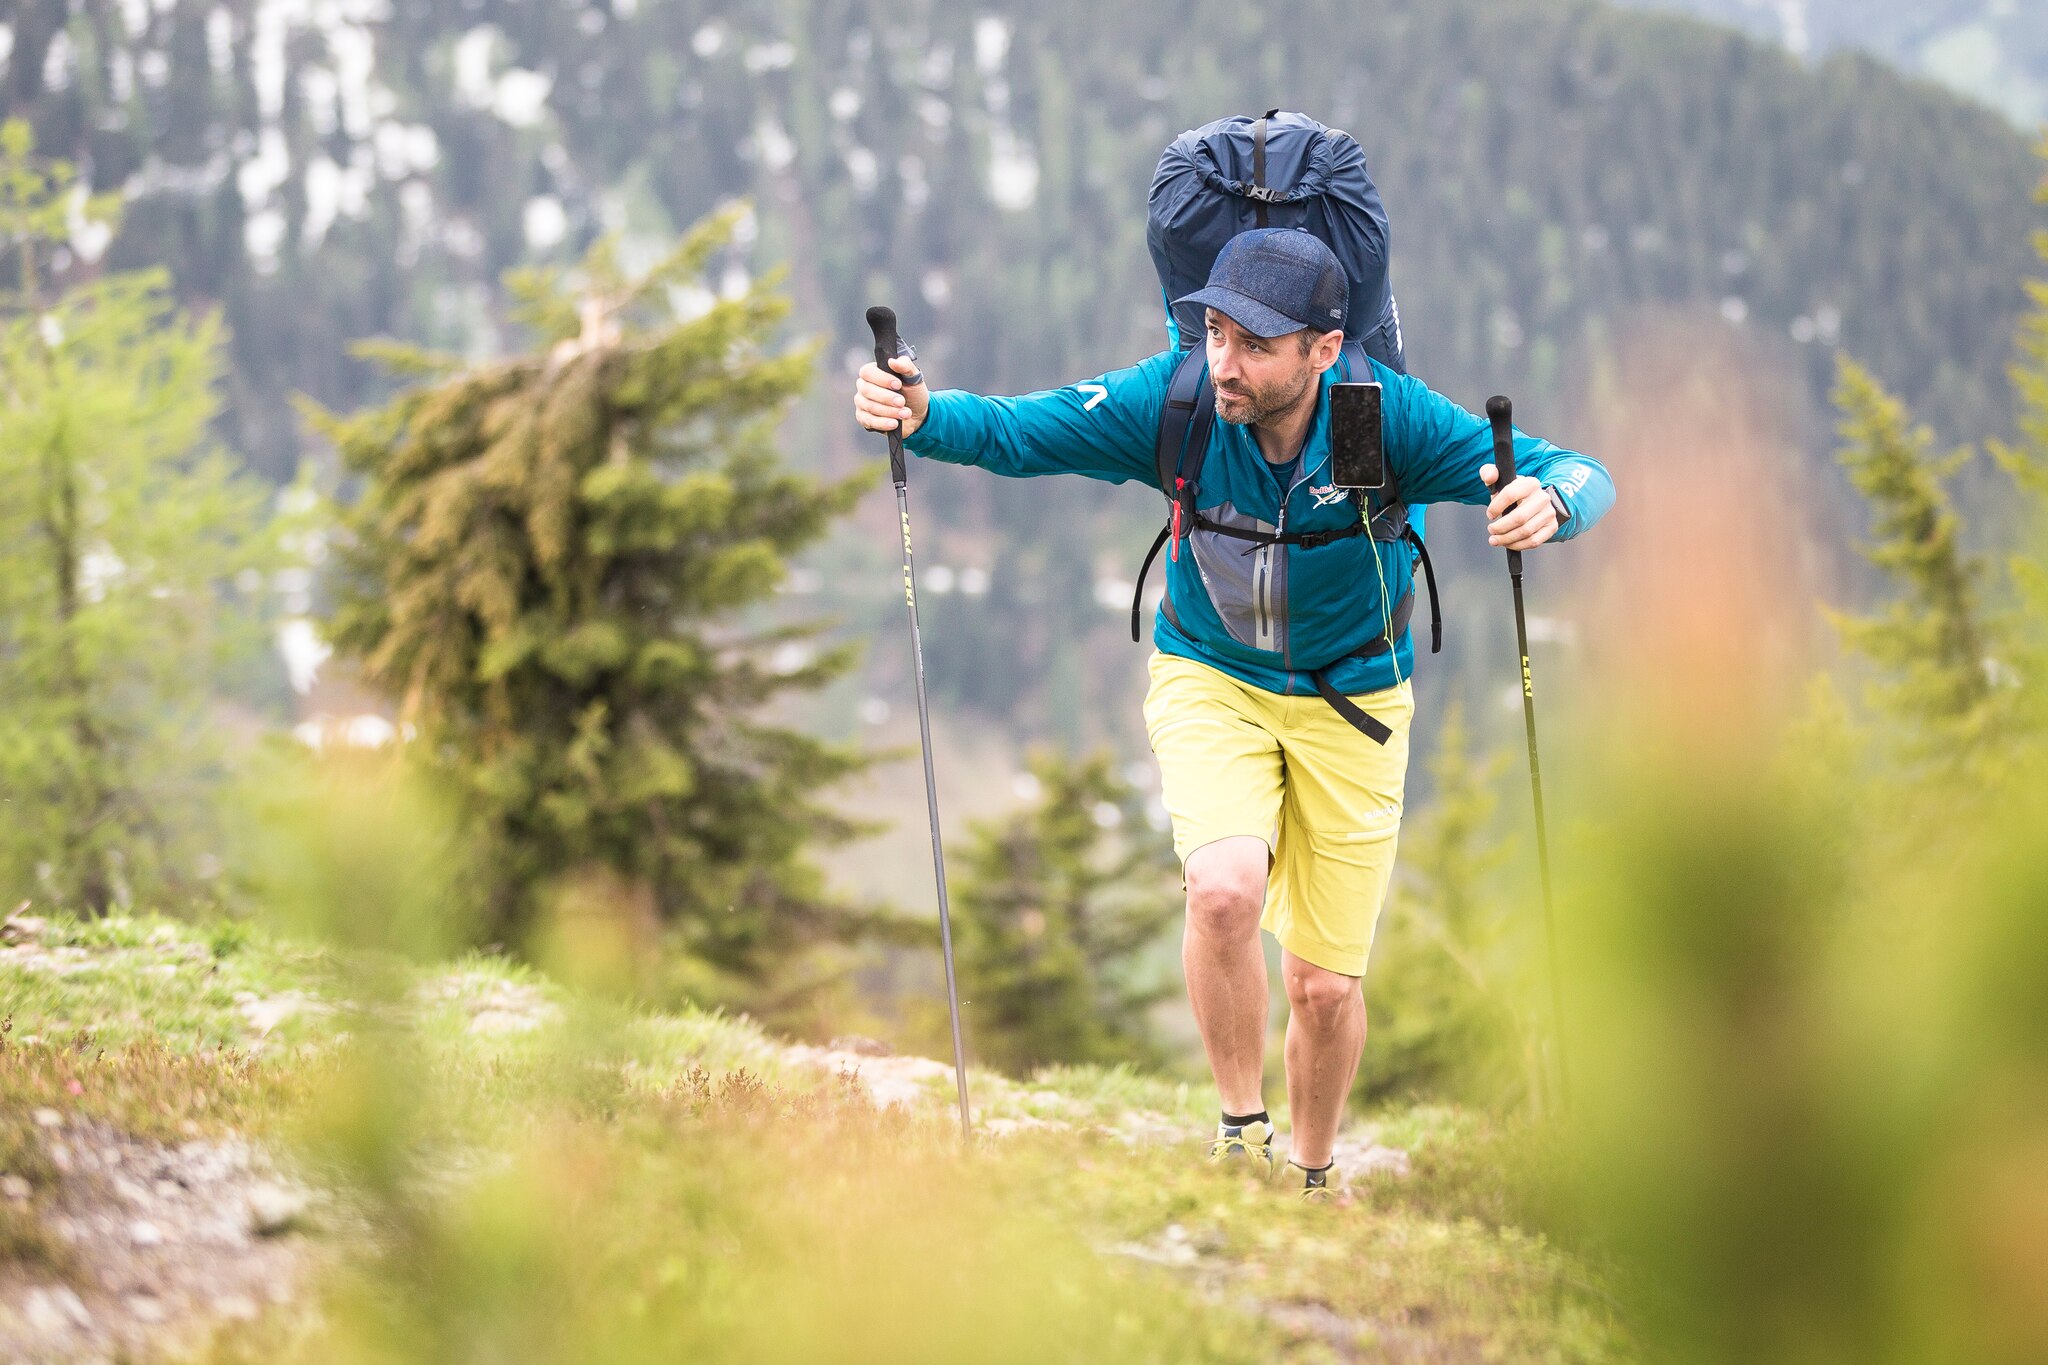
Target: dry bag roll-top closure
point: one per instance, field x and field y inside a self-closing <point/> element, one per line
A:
<point x="1276" y="170"/>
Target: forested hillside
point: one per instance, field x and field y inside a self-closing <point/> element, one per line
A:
<point x="1994" y="50"/>
<point x="330" y="169"/>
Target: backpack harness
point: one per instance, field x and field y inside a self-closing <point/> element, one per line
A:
<point x="1185" y="425"/>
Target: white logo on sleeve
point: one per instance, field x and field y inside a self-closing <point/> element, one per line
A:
<point x="1097" y="391"/>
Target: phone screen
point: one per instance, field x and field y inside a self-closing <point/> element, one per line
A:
<point x="1357" y="456"/>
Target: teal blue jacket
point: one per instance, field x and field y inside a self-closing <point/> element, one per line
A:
<point x="1267" y="615"/>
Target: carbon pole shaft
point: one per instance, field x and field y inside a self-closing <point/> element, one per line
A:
<point x="888" y="346"/>
<point x="1500" y="413"/>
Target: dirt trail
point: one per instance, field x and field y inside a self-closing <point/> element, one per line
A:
<point x="165" y="1242"/>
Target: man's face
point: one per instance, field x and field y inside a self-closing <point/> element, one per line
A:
<point x="1259" y="378"/>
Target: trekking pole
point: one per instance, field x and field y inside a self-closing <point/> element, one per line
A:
<point x="889" y="346"/>
<point x="1500" y="413"/>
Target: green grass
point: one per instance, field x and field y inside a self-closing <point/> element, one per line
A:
<point x="126" y="979"/>
<point x="546" y="1177"/>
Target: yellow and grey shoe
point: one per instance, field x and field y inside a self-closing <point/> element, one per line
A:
<point x="1317" y="1186"/>
<point x="1250" y="1143"/>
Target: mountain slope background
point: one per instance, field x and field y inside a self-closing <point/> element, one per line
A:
<point x="1992" y="50"/>
<point x="1557" y="171"/>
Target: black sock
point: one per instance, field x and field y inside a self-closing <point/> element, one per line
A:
<point x="1318" y="1170"/>
<point x="1240" y="1120"/>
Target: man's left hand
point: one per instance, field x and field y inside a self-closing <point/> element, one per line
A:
<point x="1521" y="515"/>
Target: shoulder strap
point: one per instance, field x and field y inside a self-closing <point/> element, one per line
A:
<point x="1187" y="398"/>
<point x="1184" y="427"/>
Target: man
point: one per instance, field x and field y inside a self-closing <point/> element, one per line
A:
<point x="1285" y="814"/>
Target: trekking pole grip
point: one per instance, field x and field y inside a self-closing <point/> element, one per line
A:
<point x="889" y="346"/>
<point x="1501" y="413"/>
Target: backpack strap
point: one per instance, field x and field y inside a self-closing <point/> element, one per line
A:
<point x="1259" y="164"/>
<point x="1436" y="611"/>
<point x="1370" y="726"/>
<point x="1184" y="427"/>
<point x="1138" y="592"/>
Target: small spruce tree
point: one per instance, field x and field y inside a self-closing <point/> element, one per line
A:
<point x="548" y="566"/>
<point x="1056" y="905"/>
<point x="2026" y="462"/>
<point x="123" y="534"/>
<point x="1441" y="988"/>
<point x="1936" y="642"/>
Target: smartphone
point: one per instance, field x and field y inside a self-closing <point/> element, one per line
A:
<point x="1358" y="458"/>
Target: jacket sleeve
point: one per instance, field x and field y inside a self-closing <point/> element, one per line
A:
<point x="1106" y="428"/>
<point x="1436" y="449"/>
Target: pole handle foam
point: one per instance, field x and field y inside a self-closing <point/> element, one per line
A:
<point x="888" y="346"/>
<point x="1501" y="413"/>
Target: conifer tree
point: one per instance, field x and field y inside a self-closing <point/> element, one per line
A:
<point x="1055" y="907"/>
<point x="2026" y="462"/>
<point x="122" y="533"/>
<point x="551" y="557"/>
<point x="1936" y="642"/>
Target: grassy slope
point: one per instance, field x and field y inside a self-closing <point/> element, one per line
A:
<point x="560" y="1180"/>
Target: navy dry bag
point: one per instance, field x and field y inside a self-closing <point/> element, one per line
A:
<point x="1276" y="170"/>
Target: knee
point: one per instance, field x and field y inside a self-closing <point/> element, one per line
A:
<point x="1320" y="998"/>
<point x="1225" y="896"/>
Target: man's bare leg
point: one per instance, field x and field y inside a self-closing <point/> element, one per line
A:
<point x="1226" y="972"/>
<point x="1325" y="1037"/>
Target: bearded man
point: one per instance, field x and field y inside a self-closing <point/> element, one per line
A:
<point x="1280" y="704"/>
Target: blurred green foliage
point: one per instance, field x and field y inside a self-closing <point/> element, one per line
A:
<point x="132" y="563"/>
<point x="547" y="568"/>
<point x="1809" y="967"/>
<point x="1055" y="908"/>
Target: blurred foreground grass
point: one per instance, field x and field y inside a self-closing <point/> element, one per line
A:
<point x="525" y="1173"/>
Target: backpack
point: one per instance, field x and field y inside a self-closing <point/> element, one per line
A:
<point x="1217" y="181"/>
<point x="1278" y="170"/>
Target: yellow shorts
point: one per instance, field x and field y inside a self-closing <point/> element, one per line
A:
<point x="1235" y="759"/>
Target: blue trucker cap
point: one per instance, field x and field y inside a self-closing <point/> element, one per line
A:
<point x="1273" y="281"/>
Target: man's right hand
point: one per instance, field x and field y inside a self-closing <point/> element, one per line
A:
<point x="880" y="400"/>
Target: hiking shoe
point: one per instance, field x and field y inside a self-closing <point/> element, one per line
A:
<point x="1250" y="1143"/>
<point x="1318" y="1187"/>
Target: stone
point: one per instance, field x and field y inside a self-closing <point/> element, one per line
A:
<point x="48" y="1118"/>
<point x="235" y="1307"/>
<point x="20" y="928"/>
<point x="14" y="1187"/>
<point x="503" y="1021"/>
<point x="1376" y="1160"/>
<point x="274" y="1208"/>
<point x="51" y="1309"/>
<point x="144" y="1233"/>
<point x="860" y="1046"/>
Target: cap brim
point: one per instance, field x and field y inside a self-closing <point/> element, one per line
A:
<point x="1245" y="311"/>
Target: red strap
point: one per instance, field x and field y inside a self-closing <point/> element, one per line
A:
<point x="1174" y="553"/>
